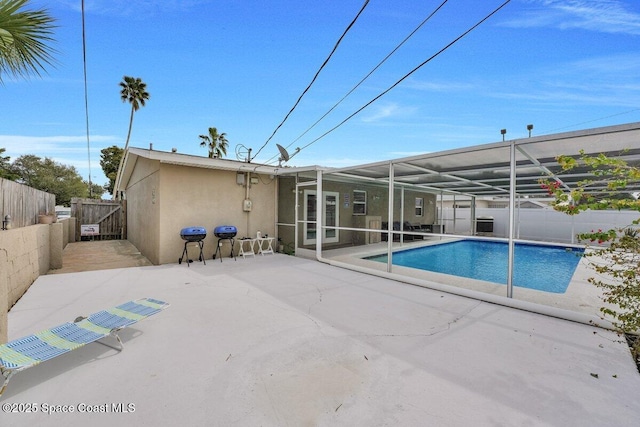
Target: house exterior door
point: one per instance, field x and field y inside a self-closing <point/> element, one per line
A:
<point x="330" y="217"/>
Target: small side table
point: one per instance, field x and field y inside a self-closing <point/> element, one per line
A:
<point x="268" y="241"/>
<point x="250" y="251"/>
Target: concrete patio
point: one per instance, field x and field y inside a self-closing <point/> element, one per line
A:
<point x="276" y="340"/>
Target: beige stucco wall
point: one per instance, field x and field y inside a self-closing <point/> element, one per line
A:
<point x="162" y="199"/>
<point x="25" y="254"/>
<point x="143" y="209"/>
<point x="209" y="198"/>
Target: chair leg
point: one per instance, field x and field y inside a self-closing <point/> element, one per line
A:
<point x="114" y="334"/>
<point x="6" y="374"/>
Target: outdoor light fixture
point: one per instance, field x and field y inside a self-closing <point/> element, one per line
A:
<point x="6" y="222"/>
<point x="529" y="128"/>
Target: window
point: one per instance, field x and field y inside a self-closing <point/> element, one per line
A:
<point x="359" y="202"/>
<point x="419" y="206"/>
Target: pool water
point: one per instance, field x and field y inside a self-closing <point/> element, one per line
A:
<point x="545" y="268"/>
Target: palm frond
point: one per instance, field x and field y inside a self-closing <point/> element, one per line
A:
<point x="24" y="39"/>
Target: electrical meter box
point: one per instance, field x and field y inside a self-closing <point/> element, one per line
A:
<point x="247" y="205"/>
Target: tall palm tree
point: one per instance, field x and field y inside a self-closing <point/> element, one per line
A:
<point x="216" y="143"/>
<point x="134" y="90"/>
<point x="24" y="35"/>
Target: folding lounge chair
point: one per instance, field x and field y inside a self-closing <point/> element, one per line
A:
<point x="23" y="353"/>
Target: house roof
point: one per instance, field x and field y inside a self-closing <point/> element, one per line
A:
<point x="482" y="170"/>
<point x="132" y="155"/>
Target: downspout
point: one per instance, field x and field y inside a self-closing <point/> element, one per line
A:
<point x="247" y="182"/>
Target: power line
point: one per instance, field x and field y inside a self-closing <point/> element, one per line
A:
<point x="86" y="98"/>
<point x="367" y="76"/>
<point x="408" y="74"/>
<point x="593" y="120"/>
<point x="335" y="47"/>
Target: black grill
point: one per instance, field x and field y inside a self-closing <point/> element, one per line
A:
<point x="224" y="232"/>
<point x="192" y="235"/>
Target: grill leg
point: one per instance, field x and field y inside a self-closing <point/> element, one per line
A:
<point x="201" y="244"/>
<point x="184" y="254"/>
<point x="218" y="250"/>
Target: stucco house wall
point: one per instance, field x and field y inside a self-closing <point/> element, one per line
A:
<point x="143" y="209"/>
<point x="164" y="198"/>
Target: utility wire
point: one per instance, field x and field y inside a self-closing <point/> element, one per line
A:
<point x="367" y="76"/>
<point x="593" y="120"/>
<point x="314" y="77"/>
<point x="408" y="74"/>
<point x="86" y="98"/>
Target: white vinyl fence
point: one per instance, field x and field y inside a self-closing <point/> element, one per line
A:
<point x="537" y="224"/>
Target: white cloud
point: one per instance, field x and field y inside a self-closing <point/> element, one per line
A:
<point x="612" y="80"/>
<point x="48" y="146"/>
<point x="438" y="86"/>
<point x="384" y="111"/>
<point x="141" y="9"/>
<point x="605" y="16"/>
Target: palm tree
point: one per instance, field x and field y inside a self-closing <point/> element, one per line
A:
<point x="134" y="90"/>
<point x="216" y="142"/>
<point x="24" y="35"/>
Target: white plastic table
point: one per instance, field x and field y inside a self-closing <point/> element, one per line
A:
<point x="268" y="241"/>
<point x="250" y="251"/>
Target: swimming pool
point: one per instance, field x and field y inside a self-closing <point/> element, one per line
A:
<point x="545" y="268"/>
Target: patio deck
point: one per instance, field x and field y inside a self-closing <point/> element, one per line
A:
<point x="276" y="340"/>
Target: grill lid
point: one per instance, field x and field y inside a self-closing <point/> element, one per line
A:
<point x="193" y="233"/>
<point x="225" y="231"/>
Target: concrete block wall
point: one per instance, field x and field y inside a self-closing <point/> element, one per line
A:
<point x="25" y="254"/>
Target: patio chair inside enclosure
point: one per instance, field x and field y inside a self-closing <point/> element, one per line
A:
<point x="407" y="226"/>
<point x="396" y="227"/>
<point x="23" y="353"/>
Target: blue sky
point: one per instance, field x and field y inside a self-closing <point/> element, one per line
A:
<point x="240" y="65"/>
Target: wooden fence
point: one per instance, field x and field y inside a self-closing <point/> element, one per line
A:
<point x="99" y="219"/>
<point x="24" y="203"/>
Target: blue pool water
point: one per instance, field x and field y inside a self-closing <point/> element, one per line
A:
<point x="545" y="268"/>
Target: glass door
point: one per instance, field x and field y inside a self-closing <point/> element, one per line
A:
<point x="330" y="217"/>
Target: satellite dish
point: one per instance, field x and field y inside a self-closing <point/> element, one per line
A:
<point x="283" y="153"/>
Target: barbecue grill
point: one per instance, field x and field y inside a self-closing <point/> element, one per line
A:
<point x="192" y="235"/>
<point x="224" y="232"/>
